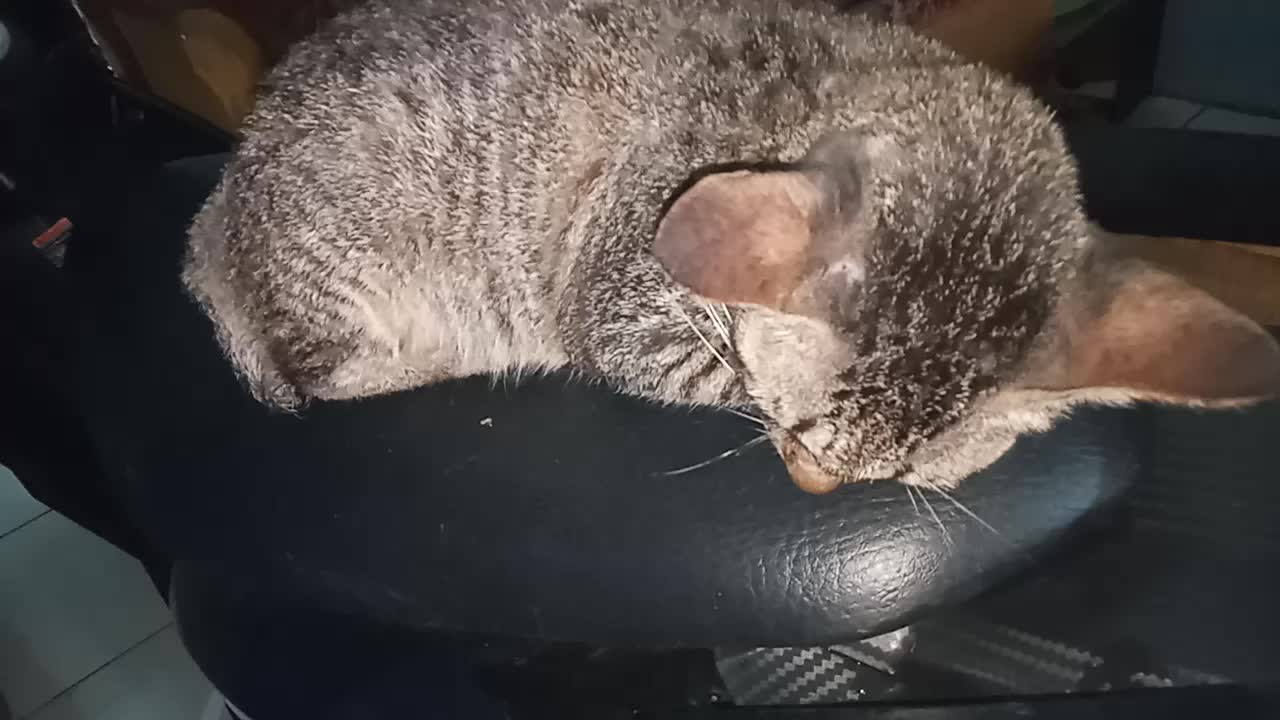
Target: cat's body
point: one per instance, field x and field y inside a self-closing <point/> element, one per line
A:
<point x="758" y="203"/>
<point x="458" y="154"/>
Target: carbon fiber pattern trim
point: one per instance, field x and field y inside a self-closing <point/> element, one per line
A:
<point x="1003" y="657"/>
<point x="789" y="676"/>
<point x="991" y="658"/>
<point x="806" y="676"/>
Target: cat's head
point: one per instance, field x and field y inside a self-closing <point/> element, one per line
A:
<point x="906" y="311"/>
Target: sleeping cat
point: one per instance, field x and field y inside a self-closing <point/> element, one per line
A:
<point x="830" y="221"/>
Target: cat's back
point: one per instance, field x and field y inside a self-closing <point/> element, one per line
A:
<point x="406" y="115"/>
<point x="414" y="123"/>
<point x="404" y="80"/>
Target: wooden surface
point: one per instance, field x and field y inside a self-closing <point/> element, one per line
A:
<point x="1005" y="34"/>
<point x="1246" y="277"/>
<point x="205" y="56"/>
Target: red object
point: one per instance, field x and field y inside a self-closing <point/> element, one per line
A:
<point x="55" y="232"/>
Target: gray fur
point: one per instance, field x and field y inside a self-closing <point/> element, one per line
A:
<point x="430" y="189"/>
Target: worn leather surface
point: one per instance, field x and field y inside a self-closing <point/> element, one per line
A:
<point x="542" y="510"/>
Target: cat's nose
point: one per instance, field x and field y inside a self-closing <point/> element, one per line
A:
<point x="804" y="469"/>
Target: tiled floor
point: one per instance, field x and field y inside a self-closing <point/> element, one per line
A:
<point x="83" y="634"/>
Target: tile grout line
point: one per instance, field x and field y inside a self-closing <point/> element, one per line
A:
<point x="11" y="531"/>
<point x="99" y="669"/>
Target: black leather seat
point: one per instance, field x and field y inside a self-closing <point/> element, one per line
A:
<point x="544" y="511"/>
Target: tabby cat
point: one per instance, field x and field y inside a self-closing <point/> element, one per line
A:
<point x="772" y="206"/>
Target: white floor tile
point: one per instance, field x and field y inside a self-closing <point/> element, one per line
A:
<point x="69" y="604"/>
<point x="16" y="506"/>
<point x="156" y="679"/>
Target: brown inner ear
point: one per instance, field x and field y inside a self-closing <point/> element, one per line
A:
<point x="1157" y="336"/>
<point x="740" y="237"/>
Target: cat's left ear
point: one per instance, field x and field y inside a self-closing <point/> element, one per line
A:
<point x="777" y="238"/>
<point x="1148" y="335"/>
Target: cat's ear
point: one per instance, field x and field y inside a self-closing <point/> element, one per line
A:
<point x="1152" y="336"/>
<point x="741" y="237"/>
<point x="788" y="239"/>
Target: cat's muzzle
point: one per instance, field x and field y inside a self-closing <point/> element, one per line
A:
<point x="805" y="470"/>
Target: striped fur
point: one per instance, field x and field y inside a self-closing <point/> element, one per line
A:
<point x="430" y="189"/>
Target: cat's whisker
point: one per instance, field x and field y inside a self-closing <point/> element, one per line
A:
<point x="722" y="456"/>
<point x="946" y="536"/>
<point x="912" y="497"/>
<point x="728" y="317"/>
<point x="746" y="416"/>
<point x="703" y="338"/>
<point x="718" y="324"/>
<point x="964" y="509"/>
<point x="727" y="323"/>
